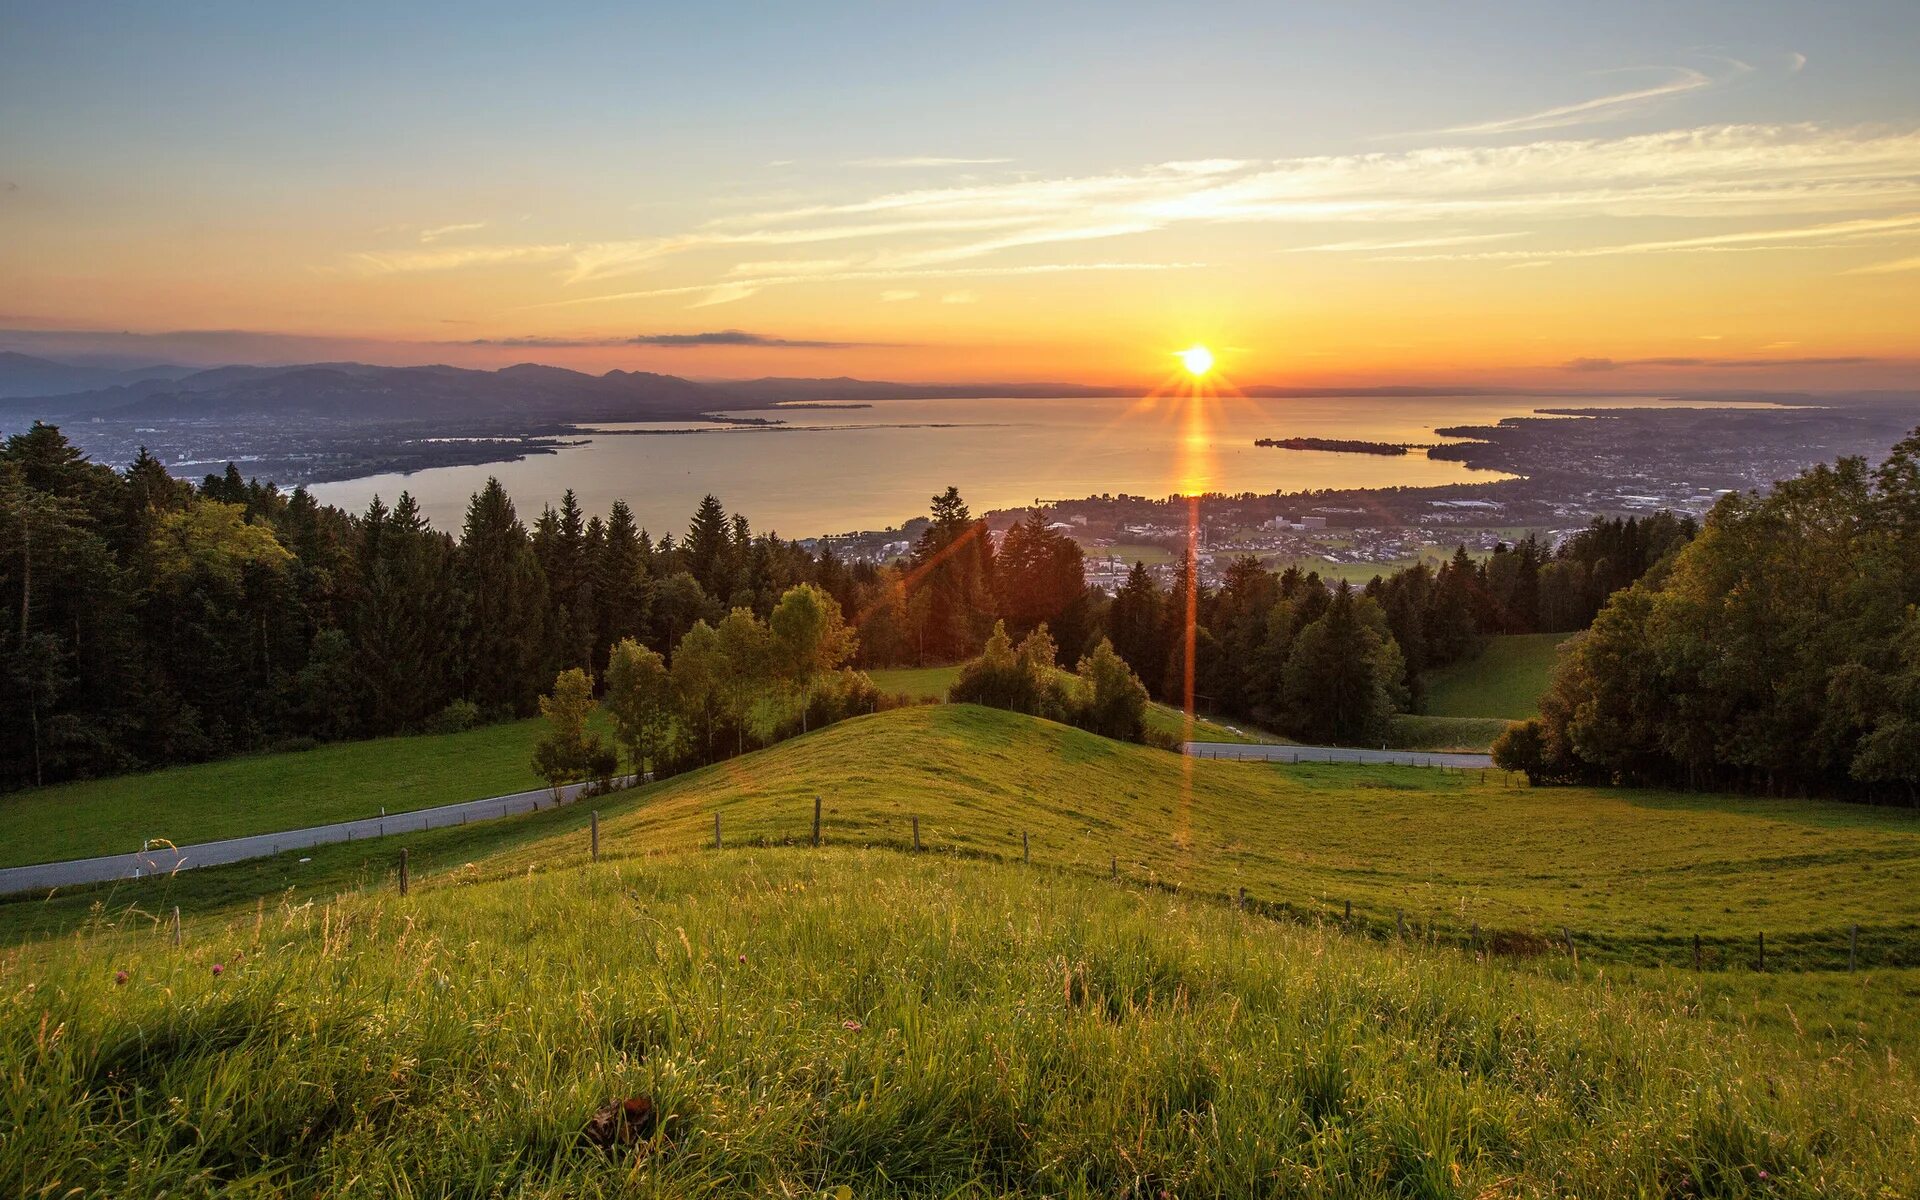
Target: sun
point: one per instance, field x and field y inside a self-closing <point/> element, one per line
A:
<point x="1197" y="359"/>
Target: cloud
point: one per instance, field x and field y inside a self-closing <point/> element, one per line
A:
<point x="435" y="234"/>
<point x="729" y="291"/>
<point x="926" y="160"/>
<point x="1600" y="108"/>
<point x="719" y="337"/>
<point x="1375" y="244"/>
<point x="1887" y="268"/>
<point x="1599" y="365"/>
<point x="413" y="261"/>
<point x="1816" y="186"/>
<point x="960" y="297"/>
<point x="896" y="295"/>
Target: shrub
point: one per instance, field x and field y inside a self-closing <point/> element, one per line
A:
<point x="456" y="717"/>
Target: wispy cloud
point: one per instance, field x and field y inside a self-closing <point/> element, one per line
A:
<point x="896" y="295"/>
<point x="926" y="160"/>
<point x="1600" y="365"/>
<point x="1679" y="81"/>
<point x="719" y="337"/>
<point x="728" y="291"/>
<point x="1814" y="186"/>
<point x="1888" y="268"/>
<point x="435" y="234"/>
<point x="405" y="261"/>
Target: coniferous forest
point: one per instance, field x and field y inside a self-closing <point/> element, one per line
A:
<point x="152" y="621"/>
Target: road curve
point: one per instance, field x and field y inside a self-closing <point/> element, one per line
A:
<point x="1333" y="754"/>
<point x="162" y="860"/>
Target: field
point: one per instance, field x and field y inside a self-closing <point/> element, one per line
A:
<point x="849" y="1022"/>
<point x="932" y="683"/>
<point x="1505" y="680"/>
<point x="1635" y="875"/>
<point x="266" y="792"/>
<point x="958" y="1022"/>
<point x="1416" y="731"/>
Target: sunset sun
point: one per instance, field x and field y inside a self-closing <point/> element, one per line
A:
<point x="1197" y="359"/>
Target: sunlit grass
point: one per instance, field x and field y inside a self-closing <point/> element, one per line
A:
<point x="896" y="1025"/>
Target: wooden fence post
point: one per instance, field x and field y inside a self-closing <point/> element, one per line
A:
<point x="1400" y="921"/>
<point x="1698" y="958"/>
<point x="1348" y="919"/>
<point x="593" y="833"/>
<point x="816" y="822"/>
<point x="1243" y="899"/>
<point x="916" y="835"/>
<point x="1573" y="951"/>
<point x="1113" y="868"/>
<point x="1853" y="945"/>
<point x="716" y="831"/>
<point x="1763" y="950"/>
<point x="176" y="926"/>
<point x="403" y="870"/>
<point x="1474" y="943"/>
<point x="1026" y="848"/>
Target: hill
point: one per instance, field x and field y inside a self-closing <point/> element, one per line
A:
<point x="1634" y="875"/>
<point x="1506" y="679"/>
<point x="864" y="1023"/>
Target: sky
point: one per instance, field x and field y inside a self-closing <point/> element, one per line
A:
<point x="1622" y="196"/>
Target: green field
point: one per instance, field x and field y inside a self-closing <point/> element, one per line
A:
<point x="1415" y="731"/>
<point x="865" y="1023"/>
<point x="1506" y="679"/>
<point x="1634" y="874"/>
<point x="1165" y="721"/>
<point x="265" y="792"/>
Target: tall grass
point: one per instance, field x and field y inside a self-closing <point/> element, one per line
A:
<point x="899" y="1026"/>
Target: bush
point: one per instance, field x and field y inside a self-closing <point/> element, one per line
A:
<point x="457" y="717"/>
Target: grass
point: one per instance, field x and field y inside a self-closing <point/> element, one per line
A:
<point x="264" y="793"/>
<point x="1412" y="731"/>
<point x="1634" y="874"/>
<point x="933" y="683"/>
<point x="1506" y="679"/>
<point x="850" y="1022"/>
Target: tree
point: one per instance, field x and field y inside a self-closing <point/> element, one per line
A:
<point x="623" y="588"/>
<point x="640" y="700"/>
<point x="1116" y="704"/>
<point x="1039" y="579"/>
<point x="503" y="597"/>
<point x="699" y="674"/>
<point x="746" y="647"/>
<point x="567" y="752"/>
<point x="951" y="596"/>
<point x="1134" y="621"/>
<point x="810" y="637"/>
<point x="1342" y="681"/>
<point x="709" y="548"/>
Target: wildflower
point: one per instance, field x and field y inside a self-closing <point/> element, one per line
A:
<point x="218" y="969"/>
<point x="852" y="1026"/>
<point x="743" y="958"/>
<point x="1763" y="1175"/>
<point x="119" y="977"/>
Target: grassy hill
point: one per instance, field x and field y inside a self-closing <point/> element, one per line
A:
<point x="265" y="792"/>
<point x="1506" y="679"/>
<point x="933" y="683"/>
<point x="1634" y="874"/>
<point x="849" y="1022"/>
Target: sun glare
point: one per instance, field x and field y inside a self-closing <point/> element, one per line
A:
<point x="1197" y="359"/>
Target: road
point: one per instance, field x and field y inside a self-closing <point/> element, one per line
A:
<point x="164" y="859"/>
<point x="1333" y="754"/>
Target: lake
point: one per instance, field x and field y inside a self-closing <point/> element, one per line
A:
<point x="840" y="469"/>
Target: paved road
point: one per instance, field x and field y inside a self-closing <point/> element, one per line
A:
<point x="164" y="859"/>
<point x="1334" y="754"/>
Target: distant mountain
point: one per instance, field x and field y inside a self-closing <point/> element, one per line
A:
<point x="776" y="390"/>
<point x="25" y="375"/>
<point x="362" y="394"/>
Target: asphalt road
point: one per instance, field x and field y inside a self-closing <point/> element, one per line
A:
<point x="1333" y="754"/>
<point x="160" y="860"/>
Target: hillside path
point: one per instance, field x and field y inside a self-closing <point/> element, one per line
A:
<point x="1334" y="754"/>
<point x="160" y="860"/>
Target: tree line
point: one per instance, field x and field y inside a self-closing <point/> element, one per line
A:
<point x="152" y="621"/>
<point x="1779" y="651"/>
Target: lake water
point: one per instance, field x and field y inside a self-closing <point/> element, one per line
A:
<point x="839" y="469"/>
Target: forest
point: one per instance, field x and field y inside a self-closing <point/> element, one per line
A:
<point x="1778" y="652"/>
<point x="152" y="621"/>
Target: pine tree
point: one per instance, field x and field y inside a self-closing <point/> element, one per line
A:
<point x="503" y="600"/>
